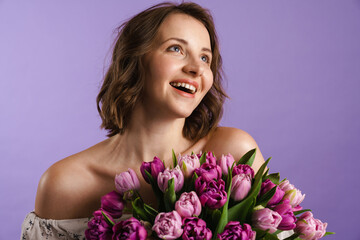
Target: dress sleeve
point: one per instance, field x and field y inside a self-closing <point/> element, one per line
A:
<point x="34" y="227"/>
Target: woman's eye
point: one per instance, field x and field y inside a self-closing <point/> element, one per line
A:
<point x="205" y="59"/>
<point x="175" y="48"/>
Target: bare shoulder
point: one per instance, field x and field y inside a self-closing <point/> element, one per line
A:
<point x="70" y="188"/>
<point x="235" y="141"/>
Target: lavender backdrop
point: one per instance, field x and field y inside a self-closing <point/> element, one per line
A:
<point x="293" y="71"/>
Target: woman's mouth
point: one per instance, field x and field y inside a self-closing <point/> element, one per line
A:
<point x="185" y="87"/>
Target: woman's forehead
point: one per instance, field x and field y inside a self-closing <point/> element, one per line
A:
<point x="186" y="27"/>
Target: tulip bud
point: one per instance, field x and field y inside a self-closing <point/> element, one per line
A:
<point x="167" y="174"/>
<point x="310" y="228"/>
<point x="288" y="217"/>
<point x="266" y="186"/>
<point x="188" y="163"/>
<point x="154" y="168"/>
<point x="113" y="204"/>
<point x="243" y="168"/>
<point x="286" y="186"/>
<point x="126" y="181"/>
<point x="209" y="171"/>
<point x="240" y="187"/>
<point x="188" y="205"/>
<point x="266" y="219"/>
<point x="226" y="162"/>
<point x="167" y="225"/>
<point x="294" y="197"/>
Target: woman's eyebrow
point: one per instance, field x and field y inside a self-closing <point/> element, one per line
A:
<point x="184" y="42"/>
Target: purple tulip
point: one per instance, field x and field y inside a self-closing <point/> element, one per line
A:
<point x="210" y="158"/>
<point x="129" y="229"/>
<point x="240" y="187"/>
<point x="127" y="181"/>
<point x="266" y="186"/>
<point x="226" y="162"/>
<point x="211" y="193"/>
<point x="310" y="228"/>
<point x="195" y="228"/>
<point x="243" y="168"/>
<point x="98" y="228"/>
<point x="154" y="168"/>
<point x="188" y="205"/>
<point x="168" y="174"/>
<point x="209" y="171"/>
<point x="234" y="230"/>
<point x="113" y="204"/>
<point x="167" y="225"/>
<point x="188" y="163"/>
<point x="288" y="218"/>
<point x="266" y="219"/>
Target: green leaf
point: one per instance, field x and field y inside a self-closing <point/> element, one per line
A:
<point x="151" y="212"/>
<point x="239" y="211"/>
<point x="329" y="233"/>
<point x="274" y="177"/>
<point x="203" y="158"/>
<point x="248" y="158"/>
<point x="138" y="208"/>
<point x="191" y="187"/>
<point x="261" y="234"/>
<point x="107" y="219"/>
<point x="150" y="177"/>
<point x="302" y="211"/>
<point x="215" y="217"/>
<point x="158" y="193"/>
<point x="263" y="200"/>
<point x="184" y="166"/>
<point x="266" y="173"/>
<point x="175" y="162"/>
<point x="170" y="196"/>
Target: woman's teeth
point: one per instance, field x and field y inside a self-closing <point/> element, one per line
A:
<point x="184" y="87"/>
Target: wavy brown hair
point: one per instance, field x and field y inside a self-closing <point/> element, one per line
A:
<point x="124" y="81"/>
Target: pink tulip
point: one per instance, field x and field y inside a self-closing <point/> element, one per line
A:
<point x="240" y="187"/>
<point x="294" y="197"/>
<point x="266" y="219"/>
<point x="188" y="205"/>
<point x="127" y="181"/>
<point x="226" y="162"/>
<point x="167" y="225"/>
<point x="286" y="186"/>
<point x="188" y="163"/>
<point x="168" y="174"/>
<point x="310" y="228"/>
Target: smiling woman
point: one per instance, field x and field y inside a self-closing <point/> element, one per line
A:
<point x="162" y="91"/>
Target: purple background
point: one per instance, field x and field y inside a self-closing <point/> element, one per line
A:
<point x="292" y="67"/>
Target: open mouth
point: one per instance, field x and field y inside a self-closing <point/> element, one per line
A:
<point x="185" y="87"/>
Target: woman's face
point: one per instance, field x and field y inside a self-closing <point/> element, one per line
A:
<point x="178" y="73"/>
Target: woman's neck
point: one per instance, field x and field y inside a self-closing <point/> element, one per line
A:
<point x="147" y="136"/>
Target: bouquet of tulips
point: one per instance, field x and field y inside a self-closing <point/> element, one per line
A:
<point x="202" y="197"/>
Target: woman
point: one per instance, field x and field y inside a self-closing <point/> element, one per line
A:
<point x="162" y="91"/>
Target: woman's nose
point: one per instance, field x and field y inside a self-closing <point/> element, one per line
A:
<point x="193" y="67"/>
